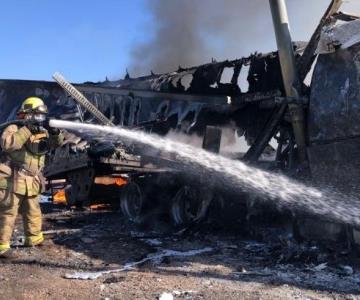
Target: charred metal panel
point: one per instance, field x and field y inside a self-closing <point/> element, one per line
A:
<point x="204" y="79"/>
<point x="337" y="164"/>
<point x="265" y="73"/>
<point x="334" y="110"/>
<point x="264" y="76"/>
<point x="334" y="120"/>
<point x="133" y="108"/>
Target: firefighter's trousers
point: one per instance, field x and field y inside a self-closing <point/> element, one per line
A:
<point x="29" y="208"/>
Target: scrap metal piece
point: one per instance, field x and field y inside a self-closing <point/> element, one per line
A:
<point x="341" y="36"/>
<point x="343" y="16"/>
<point x="333" y="121"/>
<point x="307" y="59"/>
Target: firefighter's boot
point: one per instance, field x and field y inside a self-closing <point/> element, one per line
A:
<point x="4" y="248"/>
<point x="32" y="241"/>
<point x="6" y="253"/>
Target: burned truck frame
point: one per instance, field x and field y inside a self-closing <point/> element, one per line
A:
<point x="158" y="104"/>
<point x="203" y="99"/>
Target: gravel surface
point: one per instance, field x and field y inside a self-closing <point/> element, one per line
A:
<point x="232" y="267"/>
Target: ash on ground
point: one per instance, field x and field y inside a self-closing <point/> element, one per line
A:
<point x="232" y="266"/>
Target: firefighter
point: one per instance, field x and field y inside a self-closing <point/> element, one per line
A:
<point x="23" y="150"/>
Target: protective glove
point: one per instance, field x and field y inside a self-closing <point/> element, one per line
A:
<point x="51" y="130"/>
<point x="34" y="128"/>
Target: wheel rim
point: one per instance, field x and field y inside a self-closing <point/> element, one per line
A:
<point x="186" y="207"/>
<point x="131" y="201"/>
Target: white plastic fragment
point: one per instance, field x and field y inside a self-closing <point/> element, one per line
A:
<point x="166" y="296"/>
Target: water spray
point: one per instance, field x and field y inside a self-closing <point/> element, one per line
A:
<point x="231" y="174"/>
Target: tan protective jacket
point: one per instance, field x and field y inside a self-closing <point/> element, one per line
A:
<point x="20" y="169"/>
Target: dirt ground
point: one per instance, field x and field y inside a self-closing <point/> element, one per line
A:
<point x="201" y="265"/>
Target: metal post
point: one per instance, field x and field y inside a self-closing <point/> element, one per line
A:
<point x="288" y="70"/>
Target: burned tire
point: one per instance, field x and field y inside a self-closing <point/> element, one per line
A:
<point x="132" y="202"/>
<point x="188" y="206"/>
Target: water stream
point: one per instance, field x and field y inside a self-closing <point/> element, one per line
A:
<point x="284" y="191"/>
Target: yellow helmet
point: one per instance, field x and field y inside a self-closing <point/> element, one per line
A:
<point x="33" y="105"/>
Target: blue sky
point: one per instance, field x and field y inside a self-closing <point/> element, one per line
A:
<point x="87" y="40"/>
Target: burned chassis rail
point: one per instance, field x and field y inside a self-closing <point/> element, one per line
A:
<point x="105" y="165"/>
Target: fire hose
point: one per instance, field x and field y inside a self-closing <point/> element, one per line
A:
<point x="13" y="122"/>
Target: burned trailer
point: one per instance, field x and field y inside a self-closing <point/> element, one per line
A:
<point x="190" y="99"/>
<point x="310" y="132"/>
<point x="202" y="109"/>
<point x="158" y="104"/>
